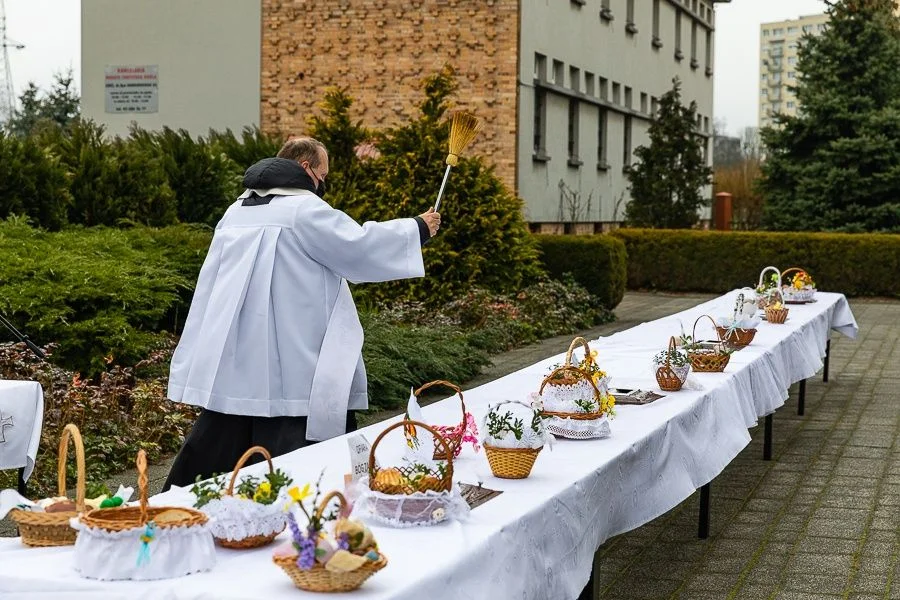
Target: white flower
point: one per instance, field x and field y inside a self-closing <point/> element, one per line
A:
<point x="537" y="403"/>
<point x="438" y="514"/>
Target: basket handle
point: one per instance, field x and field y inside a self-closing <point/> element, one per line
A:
<point x="666" y="369"/>
<point x="70" y="430"/>
<point x="762" y="274"/>
<point x="404" y="423"/>
<point x="791" y="270"/>
<point x="243" y="459"/>
<point x="584" y="375"/>
<point x="453" y="387"/>
<point x="576" y="342"/>
<point x="694" y="330"/>
<point x="328" y="497"/>
<point x="142" y="483"/>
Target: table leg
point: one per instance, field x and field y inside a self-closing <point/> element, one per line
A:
<point x="767" y="439"/>
<point x="801" y="400"/>
<point x="703" y="525"/>
<point x="22" y="486"/>
<point x="590" y="591"/>
<point x="827" y="356"/>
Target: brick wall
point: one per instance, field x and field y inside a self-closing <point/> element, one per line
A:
<point x="380" y="50"/>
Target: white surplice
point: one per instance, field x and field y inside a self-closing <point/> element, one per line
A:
<point x="272" y="329"/>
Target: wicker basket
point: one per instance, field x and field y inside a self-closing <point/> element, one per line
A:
<point x="399" y="483"/>
<point x="776" y="315"/>
<point x="254" y="541"/>
<point x="579" y="374"/>
<point x="668" y="380"/>
<point x="455" y="437"/>
<point x="708" y="360"/>
<point x="737" y="337"/>
<point x="320" y="579"/>
<point x="761" y="295"/>
<point x="511" y="463"/>
<point x="795" y="296"/>
<point x="130" y="517"/>
<point x="53" y="529"/>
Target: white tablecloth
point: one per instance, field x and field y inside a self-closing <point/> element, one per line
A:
<point x="21" y="418"/>
<point x="537" y="539"/>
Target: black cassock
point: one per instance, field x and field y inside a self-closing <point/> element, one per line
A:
<point x="217" y="441"/>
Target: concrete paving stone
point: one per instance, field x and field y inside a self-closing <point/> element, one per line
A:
<point x="754" y="591"/>
<point x="875" y="564"/>
<point x="851" y="515"/>
<point x="823" y="584"/>
<point x="791" y="595"/>
<point x="710" y="582"/>
<point x="769" y="506"/>
<point x="878" y="548"/>
<point x="770" y="491"/>
<point x="643" y="589"/>
<point x="826" y="545"/>
<point x="835" y="528"/>
<point x="860" y="596"/>
<point x="871" y="583"/>
<point x="825" y="564"/>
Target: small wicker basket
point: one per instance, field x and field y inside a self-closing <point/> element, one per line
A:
<point x="776" y="315"/>
<point x="53" y="529"/>
<point x="320" y="579"/>
<point x="511" y="463"/>
<point x="666" y="377"/>
<point x="795" y="296"/>
<point x="708" y="360"/>
<point x="254" y="541"/>
<point x="455" y="437"/>
<point x="579" y="374"/>
<point x="130" y="517"/>
<point x="399" y="481"/>
<point x="737" y="337"/>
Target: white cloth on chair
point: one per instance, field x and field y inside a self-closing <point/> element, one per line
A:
<point x="21" y="419"/>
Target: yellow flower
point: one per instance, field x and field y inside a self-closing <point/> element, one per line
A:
<point x="263" y="491"/>
<point x="298" y="495"/>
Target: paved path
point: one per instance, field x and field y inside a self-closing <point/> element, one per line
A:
<point x="819" y="521"/>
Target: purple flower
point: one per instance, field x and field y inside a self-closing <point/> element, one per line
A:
<point x="295" y="529"/>
<point x="343" y="542"/>
<point x="307" y="558"/>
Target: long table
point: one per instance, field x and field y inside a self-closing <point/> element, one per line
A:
<point x="538" y="538"/>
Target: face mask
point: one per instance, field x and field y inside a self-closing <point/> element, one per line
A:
<point x="320" y="189"/>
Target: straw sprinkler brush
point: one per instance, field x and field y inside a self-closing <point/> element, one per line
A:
<point x="463" y="128"/>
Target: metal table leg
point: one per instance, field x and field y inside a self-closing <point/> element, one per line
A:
<point x="703" y="525"/>
<point x="767" y="439"/>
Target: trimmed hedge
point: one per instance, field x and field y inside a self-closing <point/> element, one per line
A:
<point x="714" y="261"/>
<point x="597" y="262"/>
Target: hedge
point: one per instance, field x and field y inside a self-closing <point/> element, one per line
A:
<point x="597" y="262"/>
<point x="865" y="264"/>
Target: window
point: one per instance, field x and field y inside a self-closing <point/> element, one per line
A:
<point x="694" y="5"/>
<point x="616" y="98"/>
<point x="643" y="102"/>
<point x="558" y="72"/>
<point x="792" y="46"/>
<point x="654" y="106"/>
<point x="601" y="138"/>
<point x="588" y="83"/>
<point x="605" y="11"/>
<point x="604" y="89"/>
<point x="807" y="28"/>
<point x="575" y="79"/>
<point x="764" y="76"/>
<point x="626" y="146"/>
<point x="540" y="67"/>
<point x="791" y="30"/>
<point x="765" y="33"/>
<point x="792" y="75"/>
<point x="678" y="53"/>
<point x="706" y="124"/>
<point x="778" y="31"/>
<point x="694" y="63"/>
<point x="573" y="132"/>
<point x="627" y="97"/>
<point x="790" y="105"/>
<point x="656" y="42"/>
<point x="765" y="92"/>
<point x="630" y="26"/>
<point x="709" y="52"/>
<point x="540" y="122"/>
<point x="822" y="27"/>
<point x="792" y="60"/>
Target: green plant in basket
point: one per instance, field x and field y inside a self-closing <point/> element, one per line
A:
<point x="250" y="487"/>
<point x="676" y="357"/>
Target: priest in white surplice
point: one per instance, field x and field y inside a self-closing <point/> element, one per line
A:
<point x="271" y="349"/>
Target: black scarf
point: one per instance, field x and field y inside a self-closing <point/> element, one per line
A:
<point x="278" y="173"/>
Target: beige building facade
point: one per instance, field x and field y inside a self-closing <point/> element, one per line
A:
<point x="779" y="42"/>
<point x="567" y="88"/>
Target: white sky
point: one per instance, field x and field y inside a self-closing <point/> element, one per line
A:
<point x="51" y="30"/>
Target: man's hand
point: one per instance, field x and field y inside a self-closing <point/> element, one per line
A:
<point x="433" y="220"/>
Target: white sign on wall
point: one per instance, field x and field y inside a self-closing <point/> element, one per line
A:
<point x="132" y="89"/>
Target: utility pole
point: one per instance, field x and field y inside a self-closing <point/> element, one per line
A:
<point x="7" y="93"/>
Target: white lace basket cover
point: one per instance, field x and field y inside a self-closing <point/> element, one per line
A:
<point x="235" y="519"/>
<point x="113" y="555"/>
<point x="409" y="510"/>
<point x="561" y="399"/>
<point x="793" y="295"/>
